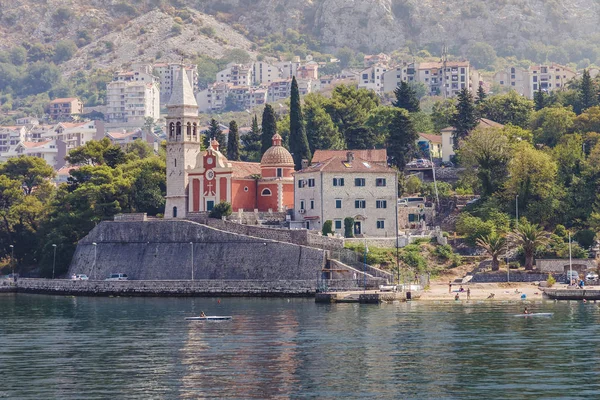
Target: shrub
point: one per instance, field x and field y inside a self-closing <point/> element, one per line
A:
<point x="473" y="228"/>
<point x="349" y="227"/>
<point x="208" y="31"/>
<point x="443" y="252"/>
<point x="327" y="227"/>
<point x="585" y="238"/>
<point x="550" y="281"/>
<point x="176" y="29"/>
<point x="223" y="209"/>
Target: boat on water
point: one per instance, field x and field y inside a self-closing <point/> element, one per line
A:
<point x="210" y="318"/>
<point x="539" y="314"/>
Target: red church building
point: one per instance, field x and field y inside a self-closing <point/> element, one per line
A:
<point x="268" y="185"/>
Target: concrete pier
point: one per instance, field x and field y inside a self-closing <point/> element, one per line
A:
<point x="368" y="297"/>
<point x="572" y="294"/>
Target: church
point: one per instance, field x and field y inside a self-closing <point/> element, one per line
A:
<point x="198" y="180"/>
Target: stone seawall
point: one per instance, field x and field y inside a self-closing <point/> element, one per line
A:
<point x="493" y="277"/>
<point x="198" y="288"/>
<point x="163" y="250"/>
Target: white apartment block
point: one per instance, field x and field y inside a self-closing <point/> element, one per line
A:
<point x="132" y="101"/>
<point x="10" y="136"/>
<point x="73" y="134"/>
<point x="265" y="73"/>
<point x="372" y="78"/>
<point x="288" y="69"/>
<point x="168" y="72"/>
<point x="342" y="186"/>
<point x="215" y="97"/>
<point x="445" y="79"/>
<point x="394" y="75"/>
<point x="530" y="80"/>
<point x="236" y="74"/>
<point x="52" y="151"/>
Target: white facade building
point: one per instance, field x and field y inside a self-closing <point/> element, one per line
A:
<point x="372" y="77"/>
<point x="132" y="101"/>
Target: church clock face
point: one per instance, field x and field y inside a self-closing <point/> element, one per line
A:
<point x="209" y="160"/>
<point x="210" y="174"/>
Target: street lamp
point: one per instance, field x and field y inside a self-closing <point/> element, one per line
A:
<point x="365" y="267"/>
<point x="95" y="254"/>
<point x="12" y="259"/>
<point x="192" y="260"/>
<point x="54" y="261"/>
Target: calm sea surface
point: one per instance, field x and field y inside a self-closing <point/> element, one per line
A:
<point x="141" y="348"/>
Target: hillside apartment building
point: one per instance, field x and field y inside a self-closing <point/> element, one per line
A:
<point x="65" y="108"/>
<point x="526" y="82"/>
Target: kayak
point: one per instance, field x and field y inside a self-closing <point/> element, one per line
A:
<point x="539" y="314"/>
<point x="209" y="318"/>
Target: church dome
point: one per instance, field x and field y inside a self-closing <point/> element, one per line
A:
<point x="277" y="155"/>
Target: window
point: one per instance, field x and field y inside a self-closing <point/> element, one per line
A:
<point x="312" y="204"/>
<point x="512" y="84"/>
<point x="381" y="204"/>
<point x="360" y="204"/>
<point x="301" y="183"/>
<point x="279" y="172"/>
<point x="535" y="86"/>
<point x="426" y="72"/>
<point x="338" y="181"/>
<point x="379" y="182"/>
<point x="502" y="82"/>
<point x="245" y="188"/>
<point x="380" y="224"/>
<point x="311" y="182"/>
<point x="266" y="192"/>
<point x="338" y="224"/>
<point x="338" y="203"/>
<point x="359" y="182"/>
<point x="535" y="78"/>
<point x="302" y="204"/>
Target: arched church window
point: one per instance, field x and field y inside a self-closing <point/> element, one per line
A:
<point x="178" y="130"/>
<point x="174" y="212"/>
<point x="195" y="131"/>
<point x="189" y="130"/>
<point x="266" y="192"/>
<point x="171" y="130"/>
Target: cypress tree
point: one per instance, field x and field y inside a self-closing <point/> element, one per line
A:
<point x="269" y="128"/>
<point x="401" y="142"/>
<point x="481" y="95"/>
<point x="465" y="119"/>
<point x="298" y="140"/>
<point x="406" y="97"/>
<point x="233" y="142"/>
<point x="252" y="142"/>
<point x="586" y="94"/>
<point x="214" y="132"/>
<point x="539" y="98"/>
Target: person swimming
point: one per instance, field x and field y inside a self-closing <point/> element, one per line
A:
<point x="202" y="315"/>
<point x="526" y="311"/>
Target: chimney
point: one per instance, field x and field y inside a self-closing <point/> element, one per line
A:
<point x="304" y="163"/>
<point x="349" y="157"/>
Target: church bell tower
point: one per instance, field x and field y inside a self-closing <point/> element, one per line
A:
<point x="183" y="145"/>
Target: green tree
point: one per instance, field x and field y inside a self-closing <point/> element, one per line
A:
<point x="18" y="55"/>
<point x="588" y="121"/>
<point x="327" y="227"/>
<point x="530" y="237"/>
<point x="214" y="131"/>
<point x="442" y="113"/>
<point x="551" y="123"/>
<point x="539" y="99"/>
<point x="64" y="51"/>
<point x="345" y="55"/>
<point x="481" y="55"/>
<point x="222" y="209"/>
<point x="481" y="94"/>
<point x="251" y="143"/>
<point x="298" y="140"/>
<point x="321" y="132"/>
<point x="464" y="120"/>
<point x="587" y="91"/>
<point x="349" y="227"/>
<point x="406" y="98"/>
<point x="487" y="153"/>
<point x="269" y="128"/>
<point x="233" y="142"/>
<point x="509" y="108"/>
<point x="473" y="228"/>
<point x="148" y="184"/>
<point x="494" y="245"/>
<point x="378" y="123"/>
<point x="401" y="143"/>
<point x="30" y="171"/>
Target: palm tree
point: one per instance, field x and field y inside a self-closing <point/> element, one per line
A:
<point x="493" y="244"/>
<point x="529" y="237"/>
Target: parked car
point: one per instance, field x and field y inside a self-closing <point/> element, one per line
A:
<point x="411" y="201"/>
<point x="79" y="277"/>
<point x="117" y="277"/>
<point x="473" y="201"/>
<point x="572" y="276"/>
<point x="591" y="276"/>
<point x="447" y="164"/>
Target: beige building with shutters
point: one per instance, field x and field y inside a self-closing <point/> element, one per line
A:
<point x="348" y="183"/>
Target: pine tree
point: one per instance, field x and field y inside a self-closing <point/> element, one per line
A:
<point x="406" y="97"/>
<point x="298" y="140"/>
<point x="251" y="143"/>
<point x="586" y="93"/>
<point x="481" y="94"/>
<point x="465" y="119"/>
<point x="401" y="143"/>
<point x="539" y="98"/>
<point x="269" y="128"/>
<point x="214" y="132"/>
<point x="233" y="142"/>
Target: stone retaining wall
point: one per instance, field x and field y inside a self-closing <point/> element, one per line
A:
<point x="496" y="277"/>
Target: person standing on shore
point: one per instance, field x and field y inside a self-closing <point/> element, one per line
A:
<point x="449" y="286"/>
<point x="468" y="293"/>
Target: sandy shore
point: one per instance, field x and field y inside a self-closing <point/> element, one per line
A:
<point x="482" y="291"/>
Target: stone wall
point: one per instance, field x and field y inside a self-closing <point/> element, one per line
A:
<point x="169" y="288"/>
<point x="324" y="242"/>
<point x="131" y="217"/>
<point x="561" y="265"/>
<point x="161" y="249"/>
<point x="495" y="277"/>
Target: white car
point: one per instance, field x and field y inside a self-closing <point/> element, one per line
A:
<point x="80" y="277"/>
<point x="117" y="277"/>
<point x="592" y="276"/>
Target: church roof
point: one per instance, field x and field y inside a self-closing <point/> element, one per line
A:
<point x="242" y="169"/>
<point x="182" y="93"/>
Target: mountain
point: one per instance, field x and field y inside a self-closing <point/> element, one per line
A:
<point x="563" y="30"/>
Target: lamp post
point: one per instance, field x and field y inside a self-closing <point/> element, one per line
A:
<point x="54" y="260"/>
<point x="12" y="259"/>
<point x="365" y="267"/>
<point x="192" y="260"/>
<point x="95" y="254"/>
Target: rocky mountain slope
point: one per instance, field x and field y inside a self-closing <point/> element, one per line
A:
<point x="144" y="27"/>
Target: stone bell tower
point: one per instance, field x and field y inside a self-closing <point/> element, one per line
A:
<point x="183" y="144"/>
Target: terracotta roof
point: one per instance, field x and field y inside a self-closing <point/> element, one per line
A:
<point x="31" y="145"/>
<point x="73" y="124"/>
<point x="431" y="137"/>
<point x="66" y="170"/>
<point x="483" y="123"/>
<point x="63" y="100"/>
<point x="277" y="155"/>
<point x="374" y="155"/>
<point x="340" y="164"/>
<point x="120" y="135"/>
<point x="242" y="169"/>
